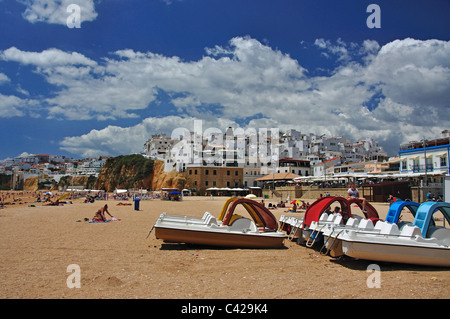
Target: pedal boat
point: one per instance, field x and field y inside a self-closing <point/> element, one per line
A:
<point x="420" y="243"/>
<point x="309" y="229"/>
<point x="335" y="225"/>
<point x="229" y="230"/>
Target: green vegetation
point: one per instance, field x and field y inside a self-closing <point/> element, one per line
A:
<point x="142" y="166"/>
<point x="65" y="182"/>
<point x="5" y="182"/>
<point x="46" y="184"/>
<point x="91" y="182"/>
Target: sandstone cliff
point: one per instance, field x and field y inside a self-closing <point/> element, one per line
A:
<point x="31" y="184"/>
<point x="135" y="171"/>
<point x="123" y="172"/>
<point x="161" y="179"/>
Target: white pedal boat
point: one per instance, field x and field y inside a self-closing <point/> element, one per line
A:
<point x="335" y="225"/>
<point x="229" y="230"/>
<point x="420" y="243"/>
<point x="316" y="218"/>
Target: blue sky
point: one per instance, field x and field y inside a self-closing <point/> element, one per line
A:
<point x="139" y="67"/>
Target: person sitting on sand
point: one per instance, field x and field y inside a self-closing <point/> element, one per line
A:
<point x="100" y="214"/>
<point x="293" y="209"/>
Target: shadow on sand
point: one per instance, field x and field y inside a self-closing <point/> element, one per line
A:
<point x="186" y="246"/>
<point x="362" y="264"/>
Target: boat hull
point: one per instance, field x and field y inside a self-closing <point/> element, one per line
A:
<point x="397" y="253"/>
<point x="221" y="239"/>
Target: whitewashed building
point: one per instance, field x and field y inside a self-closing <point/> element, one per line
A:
<point x="425" y="158"/>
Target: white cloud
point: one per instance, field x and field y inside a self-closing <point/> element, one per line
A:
<point x="413" y="72"/>
<point x="3" y="78"/>
<point x="47" y="58"/>
<point x="55" y="11"/>
<point x="406" y="82"/>
<point x="11" y="106"/>
<point x="122" y="140"/>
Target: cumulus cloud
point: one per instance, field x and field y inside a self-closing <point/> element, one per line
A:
<point x="384" y="92"/>
<point x="11" y="106"/>
<point x="4" y="78"/>
<point x="122" y="140"/>
<point x="55" y="11"/>
<point x="47" y="58"/>
<point x="413" y="72"/>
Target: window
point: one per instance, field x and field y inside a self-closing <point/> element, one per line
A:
<point x="207" y="172"/>
<point x="443" y="161"/>
<point x="236" y="173"/>
<point x="429" y="163"/>
<point x="228" y="173"/>
<point x="214" y="172"/>
<point x="195" y="172"/>
<point x="206" y="183"/>
<point x="404" y="166"/>
<point x="190" y="172"/>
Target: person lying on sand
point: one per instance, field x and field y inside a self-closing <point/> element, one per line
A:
<point x="55" y="203"/>
<point x="100" y="214"/>
<point x="124" y="204"/>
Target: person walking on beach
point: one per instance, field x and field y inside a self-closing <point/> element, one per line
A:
<point x="354" y="193"/>
<point x="100" y="214"/>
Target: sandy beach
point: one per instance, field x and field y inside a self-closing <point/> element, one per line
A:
<point x="116" y="260"/>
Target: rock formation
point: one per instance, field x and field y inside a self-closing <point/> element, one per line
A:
<point x="137" y="172"/>
<point x="124" y="172"/>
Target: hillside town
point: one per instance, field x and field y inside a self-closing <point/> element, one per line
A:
<point x="264" y="162"/>
<point x="227" y="160"/>
<point x="47" y="168"/>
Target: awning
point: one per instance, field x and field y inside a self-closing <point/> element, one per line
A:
<point x="278" y="177"/>
<point x="440" y="154"/>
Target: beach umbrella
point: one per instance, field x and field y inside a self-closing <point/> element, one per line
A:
<point x="297" y="201"/>
<point x="250" y="196"/>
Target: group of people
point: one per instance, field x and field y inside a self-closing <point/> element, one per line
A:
<point x="294" y="207"/>
<point x="335" y="211"/>
<point x="434" y="198"/>
<point x="282" y="204"/>
<point x="352" y="192"/>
